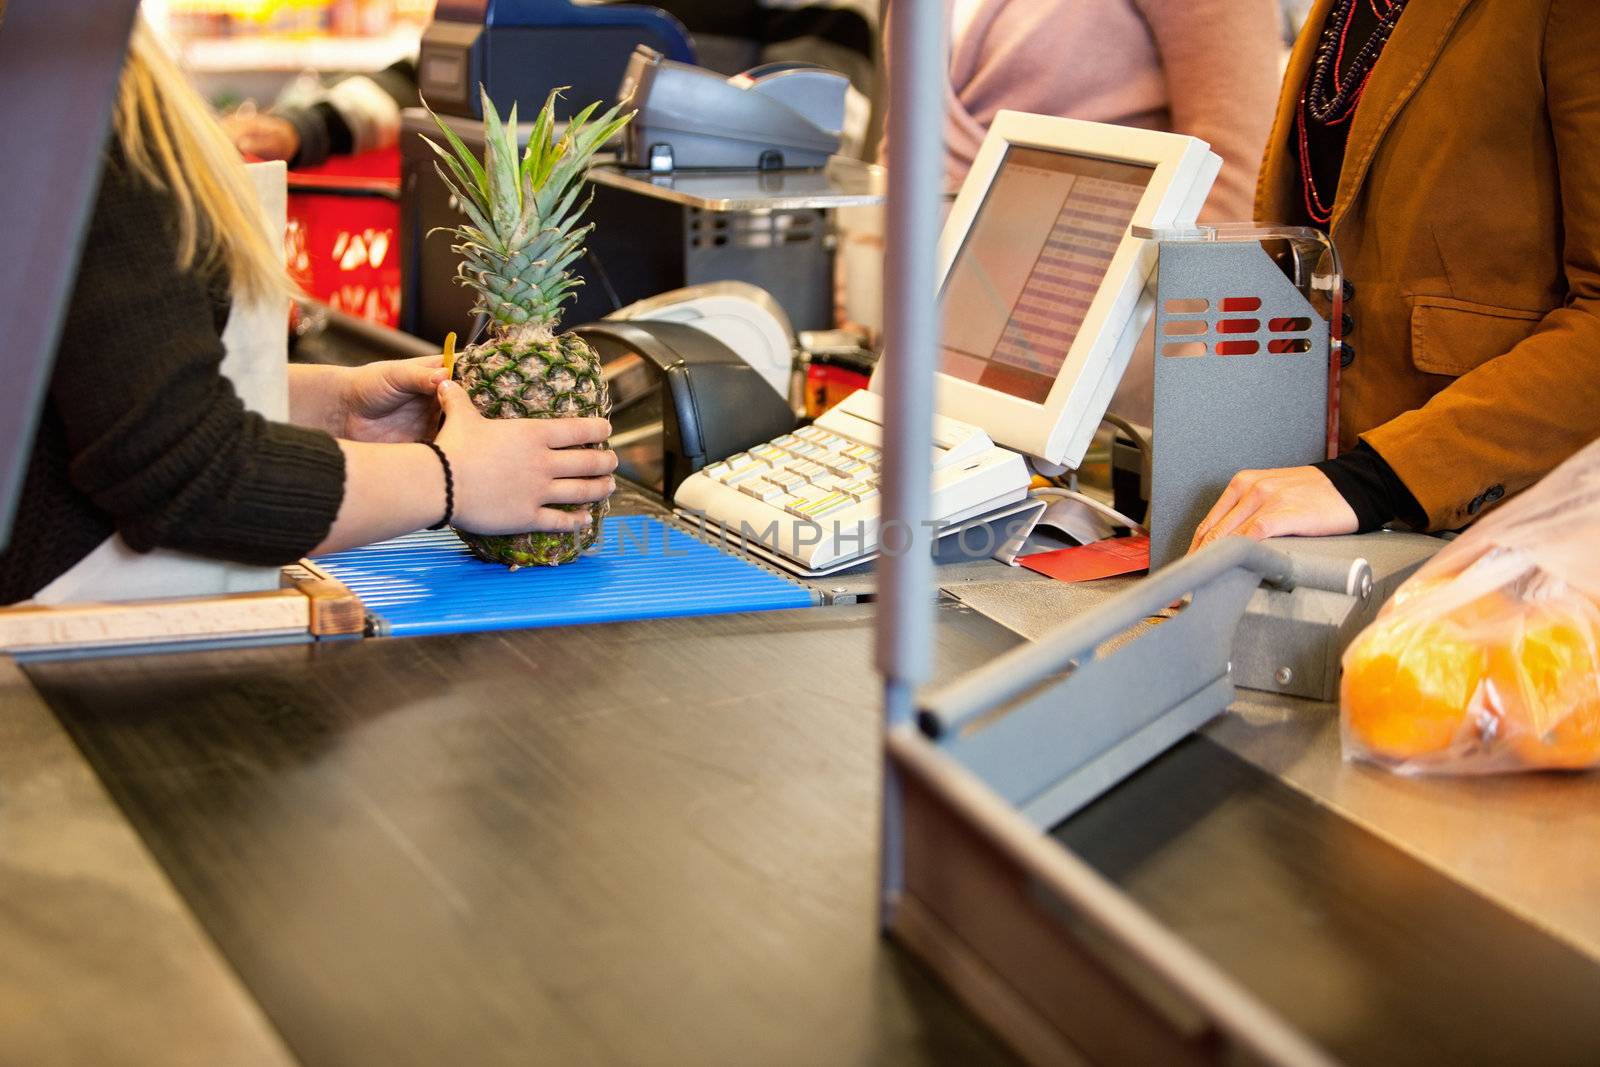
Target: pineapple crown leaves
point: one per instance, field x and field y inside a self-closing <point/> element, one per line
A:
<point x="521" y="232"/>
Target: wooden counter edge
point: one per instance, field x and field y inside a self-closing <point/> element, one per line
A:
<point x="310" y="601"/>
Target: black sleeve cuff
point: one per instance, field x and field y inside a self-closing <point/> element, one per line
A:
<point x="341" y="140"/>
<point x="323" y="133"/>
<point x="1372" y="489"/>
<point x="313" y="134"/>
<point x="399" y="80"/>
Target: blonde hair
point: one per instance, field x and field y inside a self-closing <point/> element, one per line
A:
<point x="173" y="141"/>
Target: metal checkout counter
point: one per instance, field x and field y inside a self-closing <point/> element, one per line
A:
<point x="659" y="841"/>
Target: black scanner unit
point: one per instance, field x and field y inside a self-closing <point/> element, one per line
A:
<point x="680" y="399"/>
<point x="521" y="49"/>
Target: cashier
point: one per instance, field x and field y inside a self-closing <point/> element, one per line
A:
<point x="1449" y="148"/>
<point x="142" y="436"/>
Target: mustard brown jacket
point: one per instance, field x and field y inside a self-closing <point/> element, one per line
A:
<point x="1468" y="219"/>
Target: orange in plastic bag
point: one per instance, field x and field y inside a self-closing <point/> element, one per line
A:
<point x="1489" y="659"/>
<point x="1549" y="681"/>
<point x="1408" y="687"/>
<point x="1505" y="681"/>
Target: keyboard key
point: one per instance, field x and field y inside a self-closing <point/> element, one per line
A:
<point x="813" y="433"/>
<point x="824" y="483"/>
<point x="771" y="455"/>
<point x="826" y="438"/>
<point x="829" y="504"/>
<point x="859" y="490"/>
<point x="807" y="469"/>
<point x="786" y="480"/>
<point x="761" y="489"/>
<point x="804" y="449"/>
<point x="844" y="466"/>
<point x="736" y="469"/>
<point x="865" y="453"/>
<point x="787" y="442"/>
<point x="815" y="507"/>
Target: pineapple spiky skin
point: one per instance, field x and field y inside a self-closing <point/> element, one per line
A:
<point x="530" y="374"/>
<point x="519" y="241"/>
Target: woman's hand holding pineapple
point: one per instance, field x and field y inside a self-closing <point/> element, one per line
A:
<point x="390" y="401"/>
<point x="508" y="472"/>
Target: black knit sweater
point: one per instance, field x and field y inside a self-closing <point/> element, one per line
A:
<point x="141" y="434"/>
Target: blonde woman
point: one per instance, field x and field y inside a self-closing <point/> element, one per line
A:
<point x="142" y="436"/>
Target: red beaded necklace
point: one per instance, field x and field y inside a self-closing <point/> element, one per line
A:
<point x="1330" y="97"/>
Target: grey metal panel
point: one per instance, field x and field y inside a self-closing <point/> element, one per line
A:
<point x="1291" y="642"/>
<point x="1051" y="725"/>
<point x="59" y="65"/>
<point x="1058" y="748"/>
<point x="1121" y="757"/>
<point x="1216" y="414"/>
<point x="787" y="252"/>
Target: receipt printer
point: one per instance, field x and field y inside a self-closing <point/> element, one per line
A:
<point x="773" y="117"/>
<point x="681" y="396"/>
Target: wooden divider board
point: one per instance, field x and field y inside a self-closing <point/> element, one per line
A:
<point x="310" y="602"/>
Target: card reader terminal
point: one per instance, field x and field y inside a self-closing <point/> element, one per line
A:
<point x="772" y="117"/>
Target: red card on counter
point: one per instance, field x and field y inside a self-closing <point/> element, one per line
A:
<point x="1098" y="559"/>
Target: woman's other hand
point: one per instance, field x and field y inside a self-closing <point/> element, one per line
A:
<point x="389" y="402"/>
<point x="261" y="135"/>
<point x="509" y="471"/>
<point x="1292" y="501"/>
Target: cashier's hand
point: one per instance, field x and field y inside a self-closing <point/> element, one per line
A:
<point x="509" y="471"/>
<point x="261" y="135"/>
<point x="1277" y="503"/>
<point x="389" y="402"/>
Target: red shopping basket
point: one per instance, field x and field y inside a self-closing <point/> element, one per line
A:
<point x="343" y="239"/>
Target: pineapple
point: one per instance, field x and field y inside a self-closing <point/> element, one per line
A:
<point x="520" y="238"/>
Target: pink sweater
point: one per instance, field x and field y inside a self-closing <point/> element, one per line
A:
<point x="1209" y="68"/>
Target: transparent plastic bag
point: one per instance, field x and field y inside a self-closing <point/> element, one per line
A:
<point x="1488" y="659"/>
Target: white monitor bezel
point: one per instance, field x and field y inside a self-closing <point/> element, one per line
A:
<point x="1052" y="431"/>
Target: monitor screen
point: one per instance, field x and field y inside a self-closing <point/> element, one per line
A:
<point x="1030" y="265"/>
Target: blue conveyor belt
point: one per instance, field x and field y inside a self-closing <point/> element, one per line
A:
<point x="428" y="583"/>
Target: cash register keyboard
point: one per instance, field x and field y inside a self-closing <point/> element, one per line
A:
<point x="810" y="499"/>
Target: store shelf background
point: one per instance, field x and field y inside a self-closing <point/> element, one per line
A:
<point x="249" y="49"/>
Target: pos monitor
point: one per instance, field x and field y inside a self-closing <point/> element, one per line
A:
<point x="1043" y="287"/>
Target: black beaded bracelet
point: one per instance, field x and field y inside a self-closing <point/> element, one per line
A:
<point x="449" y="488"/>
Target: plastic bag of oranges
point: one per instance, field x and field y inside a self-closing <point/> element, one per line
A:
<point x="1488" y="660"/>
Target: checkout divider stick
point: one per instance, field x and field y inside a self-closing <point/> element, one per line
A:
<point x="917" y="67"/>
<point x="911" y="338"/>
